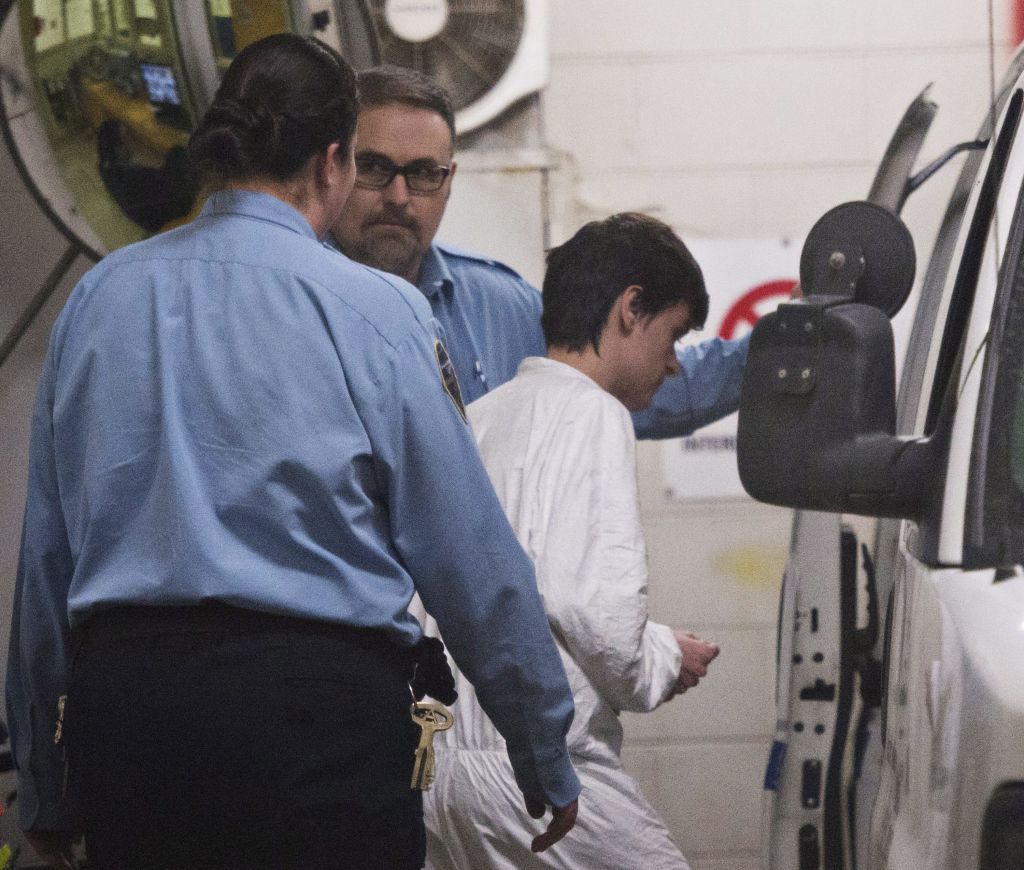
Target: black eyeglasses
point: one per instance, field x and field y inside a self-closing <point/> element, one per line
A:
<point x="421" y="176"/>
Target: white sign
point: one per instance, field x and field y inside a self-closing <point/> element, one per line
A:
<point x="746" y="278"/>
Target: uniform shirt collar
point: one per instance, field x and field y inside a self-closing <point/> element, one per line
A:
<point x="435" y="275"/>
<point x="261" y="206"/>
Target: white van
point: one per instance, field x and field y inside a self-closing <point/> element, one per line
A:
<point x="900" y="736"/>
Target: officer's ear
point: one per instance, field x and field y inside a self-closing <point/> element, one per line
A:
<point x="334" y="165"/>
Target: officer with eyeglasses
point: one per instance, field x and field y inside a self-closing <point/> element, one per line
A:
<point x="490" y="315"/>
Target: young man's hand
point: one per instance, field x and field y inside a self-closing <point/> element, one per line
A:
<point x="697" y="655"/>
<point x="562" y="821"/>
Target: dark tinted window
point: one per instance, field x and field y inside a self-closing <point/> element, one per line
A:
<point x="994" y="533"/>
<point x="970" y="265"/>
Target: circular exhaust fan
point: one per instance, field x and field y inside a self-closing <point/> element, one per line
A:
<point x="486" y="53"/>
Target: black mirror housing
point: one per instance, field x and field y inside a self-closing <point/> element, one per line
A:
<point x="818" y="413"/>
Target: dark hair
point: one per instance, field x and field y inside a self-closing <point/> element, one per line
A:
<point x="589" y="272"/>
<point x="283" y="99"/>
<point x="383" y="85"/>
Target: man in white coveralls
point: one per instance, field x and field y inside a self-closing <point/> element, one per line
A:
<point x="558" y="444"/>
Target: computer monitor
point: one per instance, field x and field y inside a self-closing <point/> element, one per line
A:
<point x="161" y="84"/>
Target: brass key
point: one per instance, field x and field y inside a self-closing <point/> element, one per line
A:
<point x="431" y="717"/>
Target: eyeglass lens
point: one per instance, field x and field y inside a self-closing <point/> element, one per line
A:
<point x="422" y="176"/>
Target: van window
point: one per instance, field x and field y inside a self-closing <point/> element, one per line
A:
<point x="915" y="361"/>
<point x="994" y="532"/>
<point x="967" y="278"/>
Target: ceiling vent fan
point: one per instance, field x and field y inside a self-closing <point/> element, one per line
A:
<point x="486" y="53"/>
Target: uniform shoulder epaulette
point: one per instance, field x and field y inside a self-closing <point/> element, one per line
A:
<point x="474" y="257"/>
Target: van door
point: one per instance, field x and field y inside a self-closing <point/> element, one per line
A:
<point x="936" y="389"/>
<point x="954" y="653"/>
<point x="826" y="673"/>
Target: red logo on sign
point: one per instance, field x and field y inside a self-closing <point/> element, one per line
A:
<point x="744" y="310"/>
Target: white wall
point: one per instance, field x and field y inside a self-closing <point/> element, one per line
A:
<point x="743" y="118"/>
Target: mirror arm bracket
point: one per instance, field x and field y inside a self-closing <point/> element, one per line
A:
<point x="797" y="356"/>
<point x="919" y="178"/>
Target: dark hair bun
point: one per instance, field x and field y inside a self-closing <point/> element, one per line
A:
<point x="232" y="137"/>
<point x="282" y="100"/>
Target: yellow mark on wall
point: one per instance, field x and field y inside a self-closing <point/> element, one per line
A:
<point x="752" y="565"/>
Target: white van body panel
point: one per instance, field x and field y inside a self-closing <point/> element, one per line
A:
<point x="951" y="536"/>
<point x="956" y="715"/>
<point x="955" y="698"/>
<point x="805" y="730"/>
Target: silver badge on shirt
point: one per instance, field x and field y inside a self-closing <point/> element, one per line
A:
<point x="449" y="379"/>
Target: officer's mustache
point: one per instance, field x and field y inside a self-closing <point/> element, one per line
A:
<point x="392" y="218"/>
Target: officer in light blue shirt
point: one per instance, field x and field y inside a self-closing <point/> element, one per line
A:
<point x="248" y="452"/>
<point x="490" y="315"/>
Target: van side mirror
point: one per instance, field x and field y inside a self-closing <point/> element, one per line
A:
<point x="818" y="413"/>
